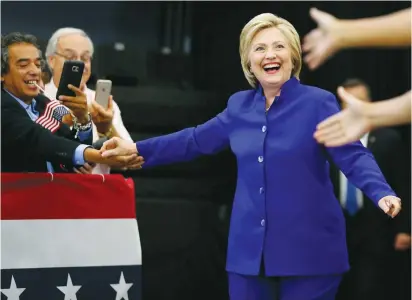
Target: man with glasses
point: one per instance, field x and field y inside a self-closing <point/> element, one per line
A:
<point x="75" y="44"/>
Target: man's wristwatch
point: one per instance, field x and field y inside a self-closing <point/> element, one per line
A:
<point x="107" y="133"/>
<point x="82" y="127"/>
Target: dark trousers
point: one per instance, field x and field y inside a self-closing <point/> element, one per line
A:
<point x="400" y="276"/>
<point x="369" y="257"/>
<point x="261" y="287"/>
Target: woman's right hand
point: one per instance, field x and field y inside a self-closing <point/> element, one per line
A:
<point x="121" y="161"/>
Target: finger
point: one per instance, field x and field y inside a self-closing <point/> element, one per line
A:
<point x="396" y="208"/>
<point x="312" y="38"/>
<point x="110" y="103"/>
<point x="312" y="59"/>
<point x="111" y="152"/>
<point x="129" y="158"/>
<point x="135" y="166"/>
<point x="97" y="107"/>
<point x="137" y="160"/>
<point x="83" y="170"/>
<point x="67" y="98"/>
<point x="323" y="137"/>
<point x="345" y="96"/>
<point x="77" y="171"/>
<point x="73" y="105"/>
<point x="100" y="110"/>
<point x="110" y="144"/>
<point x="76" y="90"/>
<point x="88" y="167"/>
<point x="332" y="127"/>
<point x="317" y="15"/>
<point x="332" y="136"/>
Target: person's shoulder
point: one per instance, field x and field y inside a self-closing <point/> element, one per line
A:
<point x="6" y="99"/>
<point x="314" y="91"/>
<point x="241" y="97"/>
<point x="42" y="98"/>
<point x="317" y="95"/>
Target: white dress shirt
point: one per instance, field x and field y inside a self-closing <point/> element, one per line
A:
<point x="51" y="91"/>
<point x="344" y="181"/>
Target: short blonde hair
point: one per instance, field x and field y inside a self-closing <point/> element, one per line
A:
<point x="256" y="25"/>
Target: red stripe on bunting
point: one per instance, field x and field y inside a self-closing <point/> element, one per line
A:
<point x="68" y="196"/>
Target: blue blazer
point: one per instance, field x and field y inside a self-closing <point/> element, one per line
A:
<point x="284" y="205"/>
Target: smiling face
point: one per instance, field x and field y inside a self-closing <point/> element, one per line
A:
<point x="270" y="58"/>
<point x="24" y="69"/>
<point x="72" y="47"/>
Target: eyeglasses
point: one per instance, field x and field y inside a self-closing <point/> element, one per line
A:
<point x="86" y="58"/>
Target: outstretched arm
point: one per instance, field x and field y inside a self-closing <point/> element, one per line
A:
<point x="183" y="145"/>
<point x="359" y="117"/>
<point x="333" y="35"/>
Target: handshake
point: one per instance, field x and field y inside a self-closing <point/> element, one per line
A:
<point x="116" y="153"/>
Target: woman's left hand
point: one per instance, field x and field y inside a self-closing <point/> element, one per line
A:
<point x="391" y="205"/>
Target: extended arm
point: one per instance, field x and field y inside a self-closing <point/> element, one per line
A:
<point x="333" y="35"/>
<point x="183" y="145"/>
<point x="360" y="117"/>
<point x="360" y="167"/>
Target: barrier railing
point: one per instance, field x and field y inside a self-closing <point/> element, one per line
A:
<point x="69" y="236"/>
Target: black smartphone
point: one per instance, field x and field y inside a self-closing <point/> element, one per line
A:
<point x="72" y="74"/>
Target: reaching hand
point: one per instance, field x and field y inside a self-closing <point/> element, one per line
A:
<point x="125" y="162"/>
<point x="321" y="43"/>
<point x="102" y="117"/>
<point x="77" y="104"/>
<point x="117" y="146"/>
<point x="391" y="205"/>
<point x="347" y="126"/>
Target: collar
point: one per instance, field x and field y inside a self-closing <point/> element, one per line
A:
<point x="31" y="106"/>
<point x="288" y="87"/>
<point x="364" y="139"/>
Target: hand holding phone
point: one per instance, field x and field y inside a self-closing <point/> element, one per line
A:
<point x="72" y="74"/>
<point x="103" y="91"/>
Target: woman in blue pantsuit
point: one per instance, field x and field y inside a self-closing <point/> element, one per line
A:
<point x="287" y="231"/>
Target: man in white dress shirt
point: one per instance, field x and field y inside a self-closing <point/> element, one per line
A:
<point x="74" y="44"/>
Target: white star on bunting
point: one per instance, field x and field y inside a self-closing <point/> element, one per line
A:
<point x="121" y="288"/>
<point x="69" y="290"/>
<point x="13" y="293"/>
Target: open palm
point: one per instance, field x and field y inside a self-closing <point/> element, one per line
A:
<point x="321" y="43"/>
<point x="347" y="126"/>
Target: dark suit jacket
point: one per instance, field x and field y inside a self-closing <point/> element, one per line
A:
<point x="370" y="225"/>
<point x="27" y="146"/>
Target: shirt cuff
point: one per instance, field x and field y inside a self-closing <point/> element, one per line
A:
<point x="84" y="135"/>
<point x="78" y="158"/>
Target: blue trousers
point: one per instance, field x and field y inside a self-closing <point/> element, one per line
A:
<point x="244" y="287"/>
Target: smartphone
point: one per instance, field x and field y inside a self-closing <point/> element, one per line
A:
<point x="72" y="74"/>
<point x="103" y="91"/>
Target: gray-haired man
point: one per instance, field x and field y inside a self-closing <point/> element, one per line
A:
<point x="74" y="44"/>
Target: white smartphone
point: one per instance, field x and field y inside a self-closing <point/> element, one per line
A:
<point x="103" y="91"/>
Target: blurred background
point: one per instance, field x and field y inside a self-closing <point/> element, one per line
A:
<point x="174" y="65"/>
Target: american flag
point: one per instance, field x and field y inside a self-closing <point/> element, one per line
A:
<point x="53" y="115"/>
<point x="71" y="238"/>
